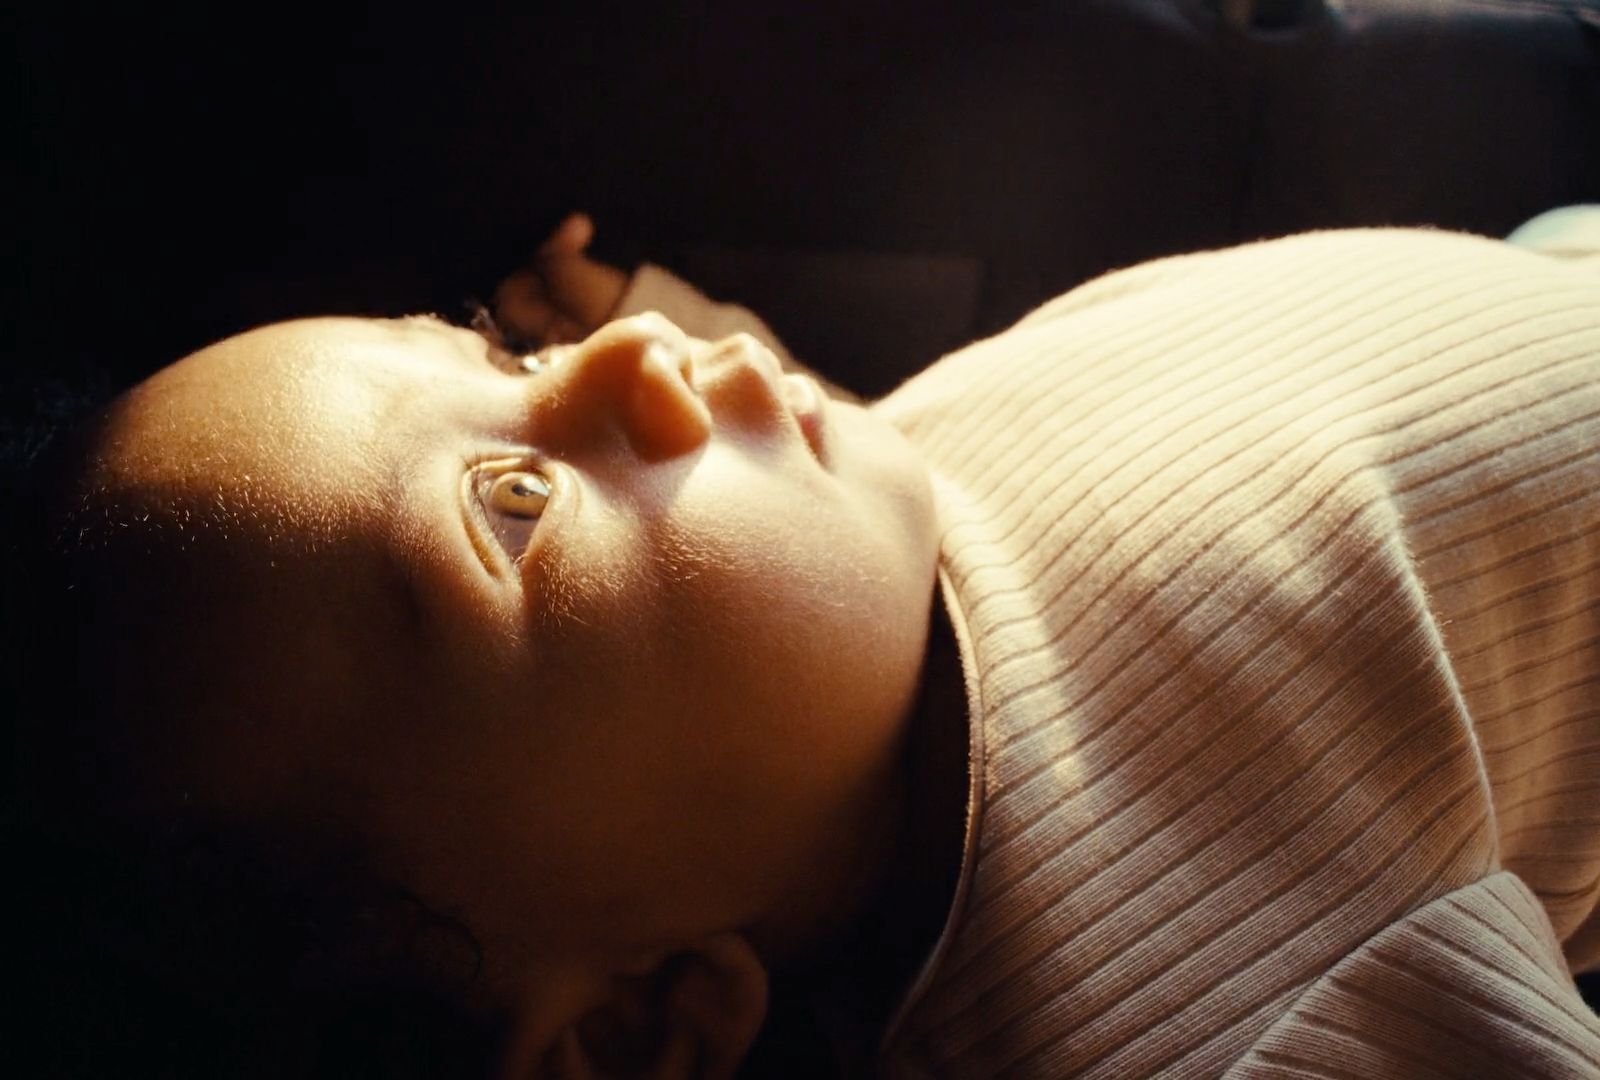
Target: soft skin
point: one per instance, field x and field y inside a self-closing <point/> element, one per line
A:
<point x="661" y="721"/>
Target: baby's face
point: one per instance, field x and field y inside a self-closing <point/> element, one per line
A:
<point x="630" y="640"/>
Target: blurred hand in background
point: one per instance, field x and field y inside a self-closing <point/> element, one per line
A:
<point x="562" y="295"/>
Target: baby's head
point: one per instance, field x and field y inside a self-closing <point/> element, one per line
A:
<point x="609" y="663"/>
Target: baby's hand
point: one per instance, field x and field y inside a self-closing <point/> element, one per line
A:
<point x="562" y="295"/>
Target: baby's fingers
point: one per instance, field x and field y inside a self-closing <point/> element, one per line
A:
<point x="571" y="237"/>
<point x="565" y="331"/>
<point x="524" y="311"/>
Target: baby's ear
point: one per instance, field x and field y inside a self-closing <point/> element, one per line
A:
<point x="692" y="1014"/>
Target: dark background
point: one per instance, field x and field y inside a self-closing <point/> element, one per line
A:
<point x="881" y="187"/>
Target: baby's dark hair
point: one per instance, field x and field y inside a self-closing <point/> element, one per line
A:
<point x="175" y="943"/>
<point x="205" y="950"/>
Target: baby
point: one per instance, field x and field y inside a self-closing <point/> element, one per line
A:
<point x="1198" y="677"/>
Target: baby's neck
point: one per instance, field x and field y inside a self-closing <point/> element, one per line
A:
<point x="850" y="984"/>
<point x="908" y="912"/>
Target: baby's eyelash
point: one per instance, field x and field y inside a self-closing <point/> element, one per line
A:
<point x="482" y="321"/>
<point x="506" y="354"/>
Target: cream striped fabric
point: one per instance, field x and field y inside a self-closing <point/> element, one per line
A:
<point x="1277" y="573"/>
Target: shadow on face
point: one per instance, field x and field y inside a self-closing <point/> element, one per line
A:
<point x="301" y="535"/>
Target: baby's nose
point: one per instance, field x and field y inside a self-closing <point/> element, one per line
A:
<point x="636" y="375"/>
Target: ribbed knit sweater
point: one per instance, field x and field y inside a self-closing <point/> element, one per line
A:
<point x="1277" y="578"/>
<point x="1276" y="574"/>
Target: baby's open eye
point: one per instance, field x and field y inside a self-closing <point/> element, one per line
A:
<point x="511" y="501"/>
<point x="519" y="494"/>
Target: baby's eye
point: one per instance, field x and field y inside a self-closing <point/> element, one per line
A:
<point x="512" y="502"/>
<point x="520" y="494"/>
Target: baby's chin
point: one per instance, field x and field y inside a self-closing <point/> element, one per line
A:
<point x="884" y="471"/>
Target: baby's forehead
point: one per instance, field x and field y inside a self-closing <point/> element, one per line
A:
<point x="285" y="423"/>
<point x="243" y="484"/>
<point x="237" y="538"/>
